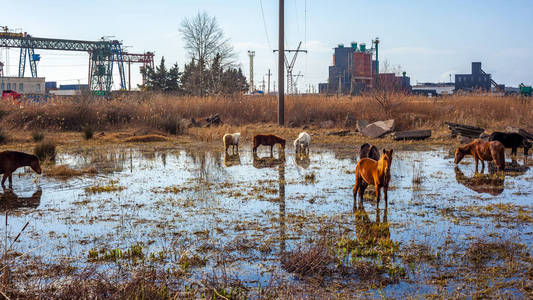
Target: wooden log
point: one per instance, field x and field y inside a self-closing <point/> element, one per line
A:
<point x="411" y="135"/>
<point x="525" y="134"/>
<point x="463" y="126"/>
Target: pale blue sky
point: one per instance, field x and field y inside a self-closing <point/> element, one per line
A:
<point x="428" y="39"/>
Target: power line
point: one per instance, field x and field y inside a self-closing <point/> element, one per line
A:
<point x="264" y="24"/>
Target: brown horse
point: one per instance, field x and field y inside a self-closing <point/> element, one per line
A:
<point x="267" y="140"/>
<point x="369" y="171"/>
<point x="12" y="160"/>
<point x="484" y="151"/>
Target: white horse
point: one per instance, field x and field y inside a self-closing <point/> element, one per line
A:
<point x="301" y="144"/>
<point x="231" y="140"/>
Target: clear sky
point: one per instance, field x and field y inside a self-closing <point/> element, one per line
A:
<point x="428" y="39"/>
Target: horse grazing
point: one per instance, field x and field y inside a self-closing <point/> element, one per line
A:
<point x="267" y="140"/>
<point x="484" y="151"/>
<point x="301" y="144"/>
<point x="369" y="171"/>
<point x="369" y="151"/>
<point x="231" y="140"/>
<point x="12" y="160"/>
<point x="511" y="140"/>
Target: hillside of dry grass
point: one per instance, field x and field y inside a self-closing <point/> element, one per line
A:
<point x="164" y="112"/>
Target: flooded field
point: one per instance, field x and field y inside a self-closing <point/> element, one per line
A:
<point x="261" y="221"/>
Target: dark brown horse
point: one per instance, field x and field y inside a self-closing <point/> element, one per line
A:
<point x="267" y="140"/>
<point x="373" y="172"/>
<point x="484" y="151"/>
<point x="12" y="160"/>
<point x="369" y="151"/>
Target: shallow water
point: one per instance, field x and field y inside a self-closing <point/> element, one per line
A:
<point x="249" y="210"/>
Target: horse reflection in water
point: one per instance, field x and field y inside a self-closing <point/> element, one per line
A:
<point x="268" y="162"/>
<point x="302" y="160"/>
<point x="232" y="159"/>
<point x="492" y="184"/>
<point x="271" y="162"/>
<point x="368" y="232"/>
<point x="10" y="201"/>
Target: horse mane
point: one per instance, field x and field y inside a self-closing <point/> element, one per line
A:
<point x="466" y="148"/>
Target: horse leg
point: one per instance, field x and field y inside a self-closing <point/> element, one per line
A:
<point x="271" y="147"/>
<point x="514" y="151"/>
<point x="378" y="194"/>
<point x="385" y="192"/>
<point x="4" y="178"/>
<point x="356" y="188"/>
<point x="362" y="190"/>
<point x="482" y="166"/>
<point x="10" y="179"/>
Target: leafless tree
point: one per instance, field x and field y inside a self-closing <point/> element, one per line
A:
<point x="204" y="39"/>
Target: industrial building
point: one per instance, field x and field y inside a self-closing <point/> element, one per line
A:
<point x="354" y="70"/>
<point x="477" y="80"/>
<point x="23" y="85"/>
<point x="431" y="89"/>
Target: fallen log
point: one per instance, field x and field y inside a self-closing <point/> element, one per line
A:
<point x="411" y="135"/>
<point x="525" y="134"/>
<point x="464" y="130"/>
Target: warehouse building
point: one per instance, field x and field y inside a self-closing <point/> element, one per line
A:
<point x="23" y="85"/>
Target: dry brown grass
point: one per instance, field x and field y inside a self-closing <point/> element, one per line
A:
<point x="146" y="138"/>
<point x="158" y="111"/>
<point x="64" y="171"/>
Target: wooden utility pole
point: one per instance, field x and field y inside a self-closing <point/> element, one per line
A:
<point x="281" y="64"/>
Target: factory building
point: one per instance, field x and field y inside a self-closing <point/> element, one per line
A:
<point x="351" y="69"/>
<point x="354" y="70"/>
<point x="23" y="85"/>
<point x="477" y="80"/>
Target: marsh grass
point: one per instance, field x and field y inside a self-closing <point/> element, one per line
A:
<point x="167" y="112"/>
<point x="46" y="150"/>
<point x="37" y="136"/>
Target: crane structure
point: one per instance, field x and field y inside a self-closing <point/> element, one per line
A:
<point x="103" y="54"/>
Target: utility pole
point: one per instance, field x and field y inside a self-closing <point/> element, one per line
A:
<point x="251" y="54"/>
<point x="281" y="64"/>
<point x="269" y="74"/>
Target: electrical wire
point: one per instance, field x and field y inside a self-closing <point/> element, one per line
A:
<point x="264" y="24"/>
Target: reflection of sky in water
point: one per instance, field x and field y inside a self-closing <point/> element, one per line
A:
<point x="69" y="222"/>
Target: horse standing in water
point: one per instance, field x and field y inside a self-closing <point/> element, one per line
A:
<point x="369" y="171"/>
<point x="12" y="160"/>
<point x="267" y="140"/>
<point x="484" y="151"/>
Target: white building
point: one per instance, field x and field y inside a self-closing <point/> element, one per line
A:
<point x="23" y="85"/>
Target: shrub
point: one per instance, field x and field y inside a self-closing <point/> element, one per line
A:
<point x="3" y="137"/>
<point x="171" y="124"/>
<point x="37" y="136"/>
<point x="88" y="132"/>
<point x="45" y="150"/>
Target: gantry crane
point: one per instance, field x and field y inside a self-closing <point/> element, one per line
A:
<point x="102" y="56"/>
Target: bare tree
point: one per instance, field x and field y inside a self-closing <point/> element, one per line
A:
<point x="204" y="39"/>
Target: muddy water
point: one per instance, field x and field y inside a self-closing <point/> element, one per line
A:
<point x="247" y="210"/>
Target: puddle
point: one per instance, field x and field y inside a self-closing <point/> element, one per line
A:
<point x="179" y="204"/>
